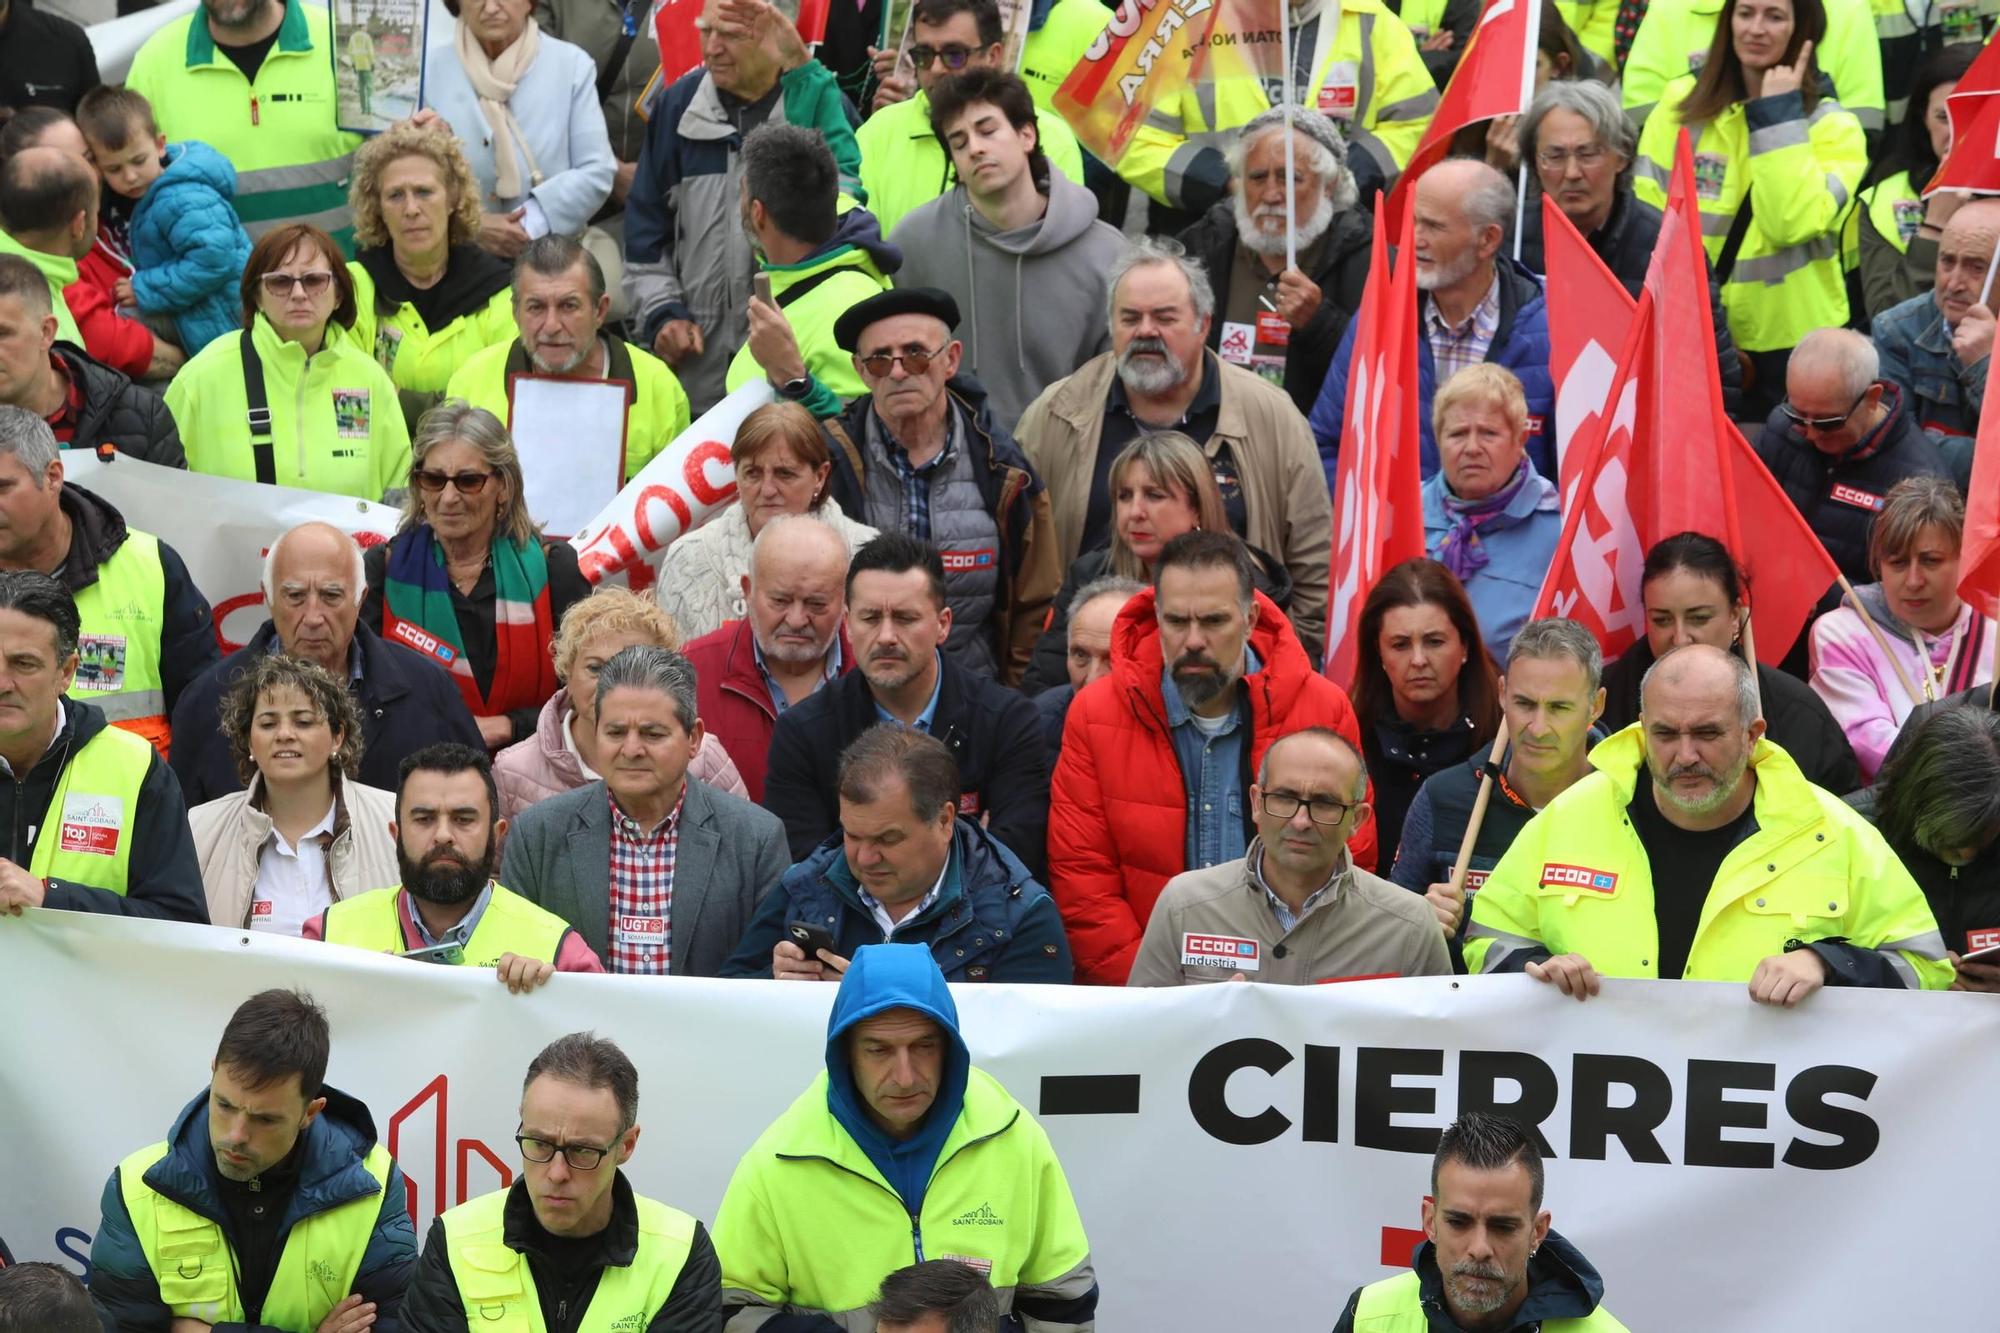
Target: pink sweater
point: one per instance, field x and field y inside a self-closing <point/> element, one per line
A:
<point x="1863" y="690"/>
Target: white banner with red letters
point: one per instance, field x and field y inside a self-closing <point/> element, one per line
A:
<point x="1243" y="1156"/>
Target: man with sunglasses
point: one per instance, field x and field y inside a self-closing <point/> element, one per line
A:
<point x="570" y="1244"/>
<point x="903" y="163"/>
<point x="1294" y="909"/>
<point x="1840" y="439"/>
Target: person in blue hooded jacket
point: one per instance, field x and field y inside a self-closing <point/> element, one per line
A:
<point x="905" y="866"/>
<point x="899" y="1152"/>
<point x="269" y="1208"/>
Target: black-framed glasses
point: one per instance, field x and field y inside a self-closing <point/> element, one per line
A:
<point x="580" y="1156"/>
<point x="1804" y="422"/>
<point x="1284" y="805"/>
<point x="954" y="56"/>
<point x="1558" y="159"/>
<point x="915" y="361"/>
<point x="431" y="483"/>
<point x="281" y="284"/>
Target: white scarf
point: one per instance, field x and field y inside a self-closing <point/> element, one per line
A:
<point x="494" y="82"/>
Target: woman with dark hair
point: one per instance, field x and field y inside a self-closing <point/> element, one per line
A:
<point x="1771" y="214"/>
<point x="1694" y="593"/>
<point x="333" y="421"/>
<point x="1893" y="233"/>
<point x="1937" y="805"/>
<point x="1426" y="694"/>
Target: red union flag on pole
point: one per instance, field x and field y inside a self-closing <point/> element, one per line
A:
<point x="1588" y="320"/>
<point x="1377" y="490"/>
<point x="1495" y="77"/>
<point x="1979" y="550"/>
<point x="1974" y="160"/>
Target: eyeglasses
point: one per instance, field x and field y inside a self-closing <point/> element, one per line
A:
<point x="915" y="361"/>
<point x="954" y="56"/>
<point x="281" y="284"/>
<point x="580" y="1156"/>
<point x="1558" y="159"/>
<point x="1284" y="805"/>
<point x="1805" y="422"/>
<point x="431" y="483"/>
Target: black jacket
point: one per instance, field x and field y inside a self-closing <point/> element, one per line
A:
<point x="1797" y="720"/>
<point x="187" y="634"/>
<point x="1400" y="758"/>
<point x="45" y="60"/>
<point x="406" y="703"/>
<point x="1625" y="244"/>
<point x="164" y="877"/>
<point x="1562" y="1284"/>
<point x="1341" y="273"/>
<point x="566" y="1277"/>
<point x="991" y="730"/>
<point x="1841" y="496"/>
<point x="119" y="413"/>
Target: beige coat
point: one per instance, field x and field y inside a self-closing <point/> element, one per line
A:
<point x="1284" y="486"/>
<point x="229" y="834"/>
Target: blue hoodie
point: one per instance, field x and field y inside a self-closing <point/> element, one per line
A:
<point x="188" y="248"/>
<point x="882" y="977"/>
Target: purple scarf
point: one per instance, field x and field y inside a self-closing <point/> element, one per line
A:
<point x="1463" y="553"/>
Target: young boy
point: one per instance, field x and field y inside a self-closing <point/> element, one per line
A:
<point x="186" y="248"/>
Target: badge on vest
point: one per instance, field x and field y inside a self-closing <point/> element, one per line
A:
<point x="1860" y="499"/>
<point x="1710" y="171"/>
<point x="1984" y="938"/>
<point x="350" y="413"/>
<point x="966" y="562"/>
<point x="1237" y="343"/>
<point x="1474" y="879"/>
<point x="424" y="642"/>
<point x="388" y="342"/>
<point x="1909" y="215"/>
<point x="91" y="824"/>
<point x="100" y="662"/>
<point x="1559" y="876"/>
<point x="983" y="1267"/>
<point x="968" y="804"/>
<point x="1337" y="94"/>
<point x="1232" y="951"/>
<point x="644" y="932"/>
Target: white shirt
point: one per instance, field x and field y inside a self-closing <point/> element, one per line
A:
<point x="292" y="883"/>
<point x="881" y="913"/>
<point x="569" y="743"/>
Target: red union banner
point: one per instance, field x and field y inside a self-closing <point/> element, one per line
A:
<point x="1973" y="163"/>
<point x="1495" y="77"/>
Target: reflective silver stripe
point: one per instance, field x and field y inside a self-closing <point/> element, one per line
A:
<point x="1785" y="134"/>
<point x="1904" y="969"/>
<point x="1717" y="224"/>
<point x="1364" y="92"/>
<point x="329" y="220"/>
<point x="1174" y="179"/>
<point x="1775" y="267"/>
<point x="330" y="172"/>
<point x="1652" y="171"/>
<point x="1928" y="945"/>
<point x="1167" y="122"/>
<point x="1410" y="108"/>
<point x="1503" y="944"/>
<point x="1067" y="1286"/>
<point x="1637" y="115"/>
<point x="1204" y="99"/>
<point x="1869" y="116"/>
<point x="1896" y="24"/>
<point x="1836" y="188"/>
<point x="1825" y="107"/>
<point x="1375" y="148"/>
<point x="128" y="707"/>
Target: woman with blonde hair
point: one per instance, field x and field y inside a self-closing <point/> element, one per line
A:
<point x="561" y="755"/>
<point x="469" y="581"/>
<point x="426" y="296"/>
<point x="1161" y="486"/>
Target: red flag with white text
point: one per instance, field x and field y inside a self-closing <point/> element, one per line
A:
<point x="1378" y="510"/>
<point x="1974" y="107"/>
<point x="1589" y="316"/>
<point x="1495" y="77"/>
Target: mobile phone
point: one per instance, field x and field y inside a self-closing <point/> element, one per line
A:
<point x="760" y="283"/>
<point x="451" y="955"/>
<point x="1989" y="956"/>
<point x="811" y="938"/>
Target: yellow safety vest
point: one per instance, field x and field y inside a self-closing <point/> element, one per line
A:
<point x="510" y="924"/>
<point x="498" y="1291"/>
<point x="1673" y="41"/>
<point x="86" y="834"/>
<point x="1904" y="42"/>
<point x="1052" y="50"/>
<point x="1395" y="1305"/>
<point x="421" y="359"/>
<point x="655" y="417"/>
<point x="192" y="1262"/>
<point x="60" y="272"/>
<point x="118" y="651"/>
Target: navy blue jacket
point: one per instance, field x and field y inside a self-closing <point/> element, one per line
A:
<point x="991" y="920"/>
<point x="122" y="1285"/>
<point x="1520" y="344"/>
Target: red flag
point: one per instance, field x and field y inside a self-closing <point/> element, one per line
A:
<point x="680" y="44"/>
<point x="1495" y="77"/>
<point x="1588" y="320"/>
<point x="1667" y="459"/>
<point x="1377" y="491"/>
<point x="1979" y="549"/>
<point x="1974" y="160"/>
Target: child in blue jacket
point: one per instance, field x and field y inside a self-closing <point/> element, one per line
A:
<point x="187" y="248"/>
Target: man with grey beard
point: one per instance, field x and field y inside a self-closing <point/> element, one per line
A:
<point x="1278" y="322"/>
<point x="1159" y="376"/>
<point x="1478" y="304"/>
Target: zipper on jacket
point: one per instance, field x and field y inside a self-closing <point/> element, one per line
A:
<point x="562" y="1313"/>
<point x="917" y="1237"/>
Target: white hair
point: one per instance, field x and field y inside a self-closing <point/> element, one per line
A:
<point x="360" y="584"/>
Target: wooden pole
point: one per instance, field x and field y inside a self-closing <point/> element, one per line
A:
<point x="1881" y="641"/>
<point x="1750" y="654"/>
<point x="1473" y="825"/>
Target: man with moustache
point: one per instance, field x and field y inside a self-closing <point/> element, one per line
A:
<point x="448" y="905"/>
<point x="1698" y="850"/>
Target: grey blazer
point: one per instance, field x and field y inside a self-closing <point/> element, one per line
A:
<point x="731" y="853"/>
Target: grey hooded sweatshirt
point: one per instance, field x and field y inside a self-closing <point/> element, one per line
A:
<point x="1031" y="301"/>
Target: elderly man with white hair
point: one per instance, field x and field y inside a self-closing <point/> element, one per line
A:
<point x="1278" y="322"/>
<point x="313" y="585"/>
<point x="1840" y="439"/>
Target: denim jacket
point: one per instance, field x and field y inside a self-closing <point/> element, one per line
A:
<point x="1915" y="347"/>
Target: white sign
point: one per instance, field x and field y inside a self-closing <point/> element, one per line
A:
<point x="1704" y="1151"/>
<point x="570" y="435"/>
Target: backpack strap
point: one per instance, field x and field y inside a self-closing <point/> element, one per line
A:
<point x="259" y="412"/>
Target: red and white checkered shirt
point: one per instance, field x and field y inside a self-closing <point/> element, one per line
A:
<point x="642" y="893"/>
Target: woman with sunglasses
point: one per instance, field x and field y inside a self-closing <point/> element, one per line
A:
<point x="469" y="581"/>
<point x="328" y="415"/>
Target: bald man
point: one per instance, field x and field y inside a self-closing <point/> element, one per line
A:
<point x="1937" y="345"/>
<point x="1698" y="850"/>
<point x="313" y="585"/>
<point x="790" y="642"/>
<point x="1842" y="437"/>
<point x="1478" y="304"/>
<point x="48" y="216"/>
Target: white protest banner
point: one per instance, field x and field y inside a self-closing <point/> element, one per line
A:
<point x="682" y="487"/>
<point x="1243" y="1156"/>
<point x="220" y="526"/>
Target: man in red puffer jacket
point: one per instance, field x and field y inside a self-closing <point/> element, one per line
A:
<point x="1150" y="742"/>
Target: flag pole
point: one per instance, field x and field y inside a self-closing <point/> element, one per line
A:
<point x="1478" y="820"/>
<point x="1521" y="210"/>
<point x="1986" y="292"/>
<point x="1291" y="200"/>
<point x="1881" y="640"/>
